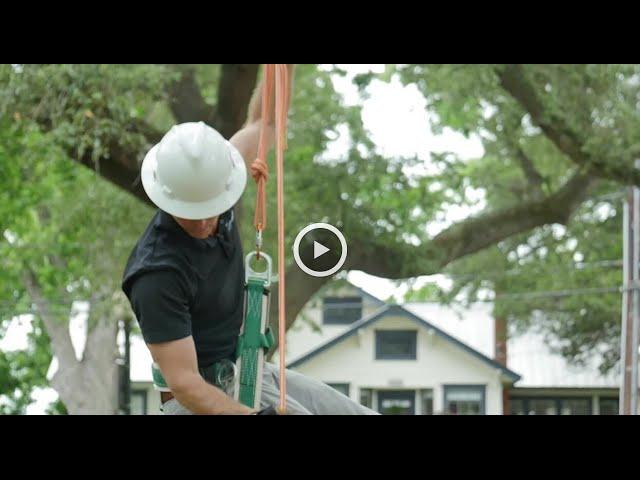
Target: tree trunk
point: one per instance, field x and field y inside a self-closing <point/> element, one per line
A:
<point x="87" y="386"/>
<point x="90" y="386"/>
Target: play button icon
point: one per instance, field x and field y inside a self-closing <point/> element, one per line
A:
<point x="320" y="249"/>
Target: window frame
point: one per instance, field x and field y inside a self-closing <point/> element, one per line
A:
<point x="422" y="392"/>
<point x="349" y="299"/>
<point x="145" y="401"/>
<point x="413" y="355"/>
<point x="612" y="399"/>
<point x="341" y="384"/>
<point x="478" y="388"/>
<point x="557" y="401"/>
<point x="370" y="393"/>
<point x="409" y="395"/>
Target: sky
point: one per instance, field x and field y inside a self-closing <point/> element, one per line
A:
<point x="399" y="125"/>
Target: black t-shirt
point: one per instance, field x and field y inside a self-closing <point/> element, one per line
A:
<point x="180" y="286"/>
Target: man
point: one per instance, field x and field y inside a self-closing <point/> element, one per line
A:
<point x="185" y="276"/>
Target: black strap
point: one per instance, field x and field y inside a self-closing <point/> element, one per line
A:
<point x="215" y="371"/>
<point x="268" y="411"/>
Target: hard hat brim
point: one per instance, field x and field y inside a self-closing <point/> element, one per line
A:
<point x="194" y="210"/>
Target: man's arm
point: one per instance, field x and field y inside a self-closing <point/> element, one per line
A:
<point x="246" y="140"/>
<point x="160" y="301"/>
<point x="179" y="366"/>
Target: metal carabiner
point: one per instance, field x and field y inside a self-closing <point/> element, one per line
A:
<point x="250" y="272"/>
<point x="258" y="243"/>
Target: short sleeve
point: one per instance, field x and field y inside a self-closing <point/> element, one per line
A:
<point x="161" y="305"/>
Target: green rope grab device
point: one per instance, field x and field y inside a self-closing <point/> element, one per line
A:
<point x="256" y="338"/>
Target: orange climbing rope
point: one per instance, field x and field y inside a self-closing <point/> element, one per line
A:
<point x="260" y="173"/>
<point x="260" y="168"/>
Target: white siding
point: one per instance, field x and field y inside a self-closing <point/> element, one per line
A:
<point x="438" y="363"/>
<point x="309" y="331"/>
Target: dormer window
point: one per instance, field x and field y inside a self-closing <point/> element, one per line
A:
<point x="341" y="310"/>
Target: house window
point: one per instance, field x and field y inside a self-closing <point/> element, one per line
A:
<point x="138" y="402"/>
<point x="366" y="397"/>
<point x="542" y="406"/>
<point x="341" y="310"/>
<point x="550" y="406"/>
<point x="396" y="344"/>
<point x="427" y="402"/>
<point x="397" y="402"/>
<point x="464" y="399"/>
<point x="575" y="406"/>
<point x="517" y="406"/>
<point x="343" y="388"/>
<point x="609" y="406"/>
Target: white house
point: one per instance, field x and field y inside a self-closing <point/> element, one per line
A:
<point x="548" y="383"/>
<point x="422" y="358"/>
<point x="397" y="362"/>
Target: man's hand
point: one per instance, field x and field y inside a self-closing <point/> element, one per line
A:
<point x="246" y="140"/>
<point x="267" y="411"/>
<point x="179" y="366"/>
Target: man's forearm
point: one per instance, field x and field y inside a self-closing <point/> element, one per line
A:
<point x="201" y="398"/>
<point x="255" y="106"/>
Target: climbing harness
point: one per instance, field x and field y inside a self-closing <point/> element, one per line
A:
<point x="221" y="374"/>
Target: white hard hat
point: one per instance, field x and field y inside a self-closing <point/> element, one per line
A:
<point x="194" y="172"/>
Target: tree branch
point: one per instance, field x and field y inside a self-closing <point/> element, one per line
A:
<point x="185" y="99"/>
<point x="514" y="81"/>
<point x="471" y="235"/>
<point x="534" y="179"/>
<point x="512" y="134"/>
<point x="457" y="241"/>
<point x="237" y="83"/>
<point x="122" y="168"/>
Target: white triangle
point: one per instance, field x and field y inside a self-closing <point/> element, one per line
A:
<point x="318" y="249"/>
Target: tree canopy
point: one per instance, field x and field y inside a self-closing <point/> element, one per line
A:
<point x="556" y="138"/>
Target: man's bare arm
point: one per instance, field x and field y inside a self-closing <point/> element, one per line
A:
<point x="179" y="366"/>
<point x="246" y="140"/>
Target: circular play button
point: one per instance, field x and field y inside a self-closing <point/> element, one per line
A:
<point x="320" y="249"/>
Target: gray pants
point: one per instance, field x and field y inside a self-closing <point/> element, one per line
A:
<point x="305" y="396"/>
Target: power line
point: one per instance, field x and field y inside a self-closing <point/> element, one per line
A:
<point x="560" y="293"/>
<point x="67" y="305"/>
<point x="542" y="294"/>
<point x="609" y="196"/>
<point x="505" y="273"/>
<point x="354" y="305"/>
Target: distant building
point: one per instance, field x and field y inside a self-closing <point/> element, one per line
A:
<point x="422" y="359"/>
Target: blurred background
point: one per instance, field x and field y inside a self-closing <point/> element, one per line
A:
<point x="489" y="210"/>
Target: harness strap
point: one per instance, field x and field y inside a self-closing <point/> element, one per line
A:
<point x="267" y="340"/>
<point x="220" y="374"/>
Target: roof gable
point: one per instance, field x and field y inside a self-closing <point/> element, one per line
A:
<point x="398" y="310"/>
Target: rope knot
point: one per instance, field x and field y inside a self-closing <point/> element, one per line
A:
<point x="259" y="170"/>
